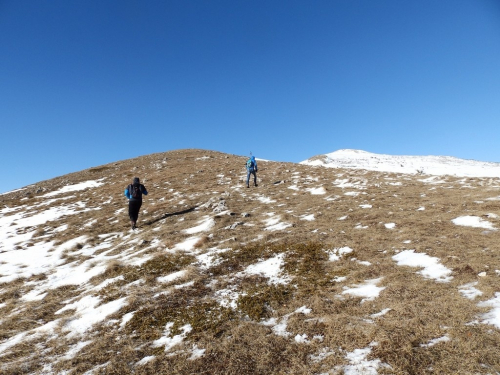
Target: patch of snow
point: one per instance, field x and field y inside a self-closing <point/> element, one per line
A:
<point x="75" y="349"/>
<point x="196" y="352"/>
<point x="492" y="317"/>
<point x="359" y="363"/>
<point x="369" y="290"/>
<point x="75" y="187"/>
<point x="432" y="269"/>
<point x="301" y="339"/>
<point x="89" y="312"/>
<point x="469" y="291"/>
<point x="204" y="225"/>
<point x="322" y="355"/>
<point x="126" y="318"/>
<point x="337" y="253"/>
<point x="303" y="310"/>
<point x="379" y="314"/>
<point x="187" y="244"/>
<point x="307" y="217"/>
<point x="270" y="268"/>
<point x="317" y="191"/>
<point x="171" y="277"/>
<point x="170" y="342"/>
<point x="145" y="360"/>
<point x="265" y="200"/>
<point x="352" y="193"/>
<point x="435" y="341"/>
<point x="472" y="221"/>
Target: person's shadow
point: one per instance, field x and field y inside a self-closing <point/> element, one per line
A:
<point x="187" y="210"/>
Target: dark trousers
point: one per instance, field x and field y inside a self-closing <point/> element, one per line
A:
<point x="254" y="177"/>
<point x="133" y="209"/>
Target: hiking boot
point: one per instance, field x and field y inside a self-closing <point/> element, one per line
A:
<point x="248" y="186"/>
<point x="256" y="185"/>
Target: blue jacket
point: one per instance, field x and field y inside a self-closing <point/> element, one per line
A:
<point x="128" y="193"/>
<point x="254" y="169"/>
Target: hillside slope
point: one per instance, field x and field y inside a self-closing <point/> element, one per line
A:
<point x="315" y="271"/>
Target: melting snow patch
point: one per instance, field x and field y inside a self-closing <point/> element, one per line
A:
<point x="365" y="205"/>
<point x="342" y="218"/>
<point x="75" y="187"/>
<point x="382" y="313"/>
<point x="171" y="277"/>
<point x="364" y="263"/>
<point x="203" y="226"/>
<point x="196" y="352"/>
<point x="336" y="254"/>
<point x="492" y="317"/>
<point x="265" y="200"/>
<point x="303" y="310"/>
<point x="301" y="339"/>
<point x="270" y="268"/>
<point x="432" y="269"/>
<point x="360" y="365"/>
<point x="317" y="191"/>
<point x="352" y="193"/>
<point x="369" y="290"/>
<point x="187" y="244"/>
<point x="75" y="349"/>
<point x="89" y="313"/>
<point x="170" y="342"/>
<point x="469" y="291"/>
<point x="228" y="298"/>
<point x="126" y="318"/>
<point x="390" y="225"/>
<point x="307" y="217"/>
<point x="210" y="258"/>
<point x="472" y="221"/>
<point x="435" y="341"/>
<point x="145" y="360"/>
<point x="273" y="223"/>
<point x="323" y="354"/>
<point x="279" y="329"/>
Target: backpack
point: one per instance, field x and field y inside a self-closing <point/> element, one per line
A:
<point x="135" y="191"/>
<point x="250" y="165"/>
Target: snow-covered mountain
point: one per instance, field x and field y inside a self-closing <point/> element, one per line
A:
<point x="432" y="165"/>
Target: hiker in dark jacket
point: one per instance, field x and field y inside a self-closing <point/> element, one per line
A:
<point x="134" y="194"/>
<point x="252" y="169"/>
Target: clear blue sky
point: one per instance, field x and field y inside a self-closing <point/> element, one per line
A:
<point x="85" y="83"/>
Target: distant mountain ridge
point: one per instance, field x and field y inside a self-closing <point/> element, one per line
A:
<point x="431" y="165"/>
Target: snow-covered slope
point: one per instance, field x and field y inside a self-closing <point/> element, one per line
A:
<point x="432" y="165"/>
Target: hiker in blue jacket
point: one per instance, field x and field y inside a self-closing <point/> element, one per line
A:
<point x="251" y="169"/>
<point x="134" y="194"/>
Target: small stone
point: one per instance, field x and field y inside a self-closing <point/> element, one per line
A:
<point x="482" y="274"/>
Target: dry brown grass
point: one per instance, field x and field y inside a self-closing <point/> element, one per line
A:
<point x="235" y="340"/>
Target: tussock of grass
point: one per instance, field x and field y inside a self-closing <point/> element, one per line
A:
<point x="261" y="300"/>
